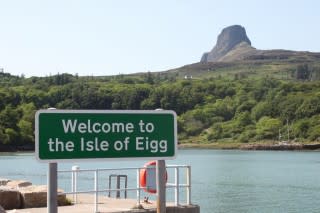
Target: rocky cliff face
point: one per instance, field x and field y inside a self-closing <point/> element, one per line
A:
<point x="228" y="43"/>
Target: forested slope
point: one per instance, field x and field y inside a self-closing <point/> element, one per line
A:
<point x="209" y="109"/>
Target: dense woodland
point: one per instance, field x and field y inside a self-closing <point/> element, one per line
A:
<point x="209" y="109"/>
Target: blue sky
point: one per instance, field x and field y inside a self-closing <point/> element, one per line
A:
<point x="104" y="37"/>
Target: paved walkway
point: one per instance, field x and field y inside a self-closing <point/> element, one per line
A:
<point x="86" y="205"/>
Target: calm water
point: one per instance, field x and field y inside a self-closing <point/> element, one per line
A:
<point x="222" y="181"/>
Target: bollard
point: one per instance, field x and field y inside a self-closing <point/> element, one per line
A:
<point x="74" y="184"/>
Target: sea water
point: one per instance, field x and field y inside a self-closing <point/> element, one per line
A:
<point x="222" y="180"/>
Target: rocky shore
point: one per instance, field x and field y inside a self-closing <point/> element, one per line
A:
<point x="19" y="194"/>
<point x="281" y="146"/>
<point x="253" y="146"/>
<point x="11" y="148"/>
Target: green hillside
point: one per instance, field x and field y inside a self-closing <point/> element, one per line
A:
<point x="278" y="64"/>
<point x="257" y="99"/>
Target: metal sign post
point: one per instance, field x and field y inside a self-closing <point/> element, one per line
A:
<point x="161" y="186"/>
<point x="52" y="195"/>
<point x="52" y="183"/>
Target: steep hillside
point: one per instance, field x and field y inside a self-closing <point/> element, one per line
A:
<point x="230" y="38"/>
<point x="233" y="56"/>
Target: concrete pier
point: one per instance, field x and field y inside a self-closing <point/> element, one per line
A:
<point x="106" y="205"/>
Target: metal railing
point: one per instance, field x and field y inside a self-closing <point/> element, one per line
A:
<point x="176" y="184"/>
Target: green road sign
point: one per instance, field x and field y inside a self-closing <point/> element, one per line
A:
<point x="64" y="135"/>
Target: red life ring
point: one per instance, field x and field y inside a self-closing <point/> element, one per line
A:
<point x="143" y="177"/>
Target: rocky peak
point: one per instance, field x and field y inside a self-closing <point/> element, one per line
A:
<point x="228" y="40"/>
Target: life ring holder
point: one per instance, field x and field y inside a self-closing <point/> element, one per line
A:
<point x="143" y="177"/>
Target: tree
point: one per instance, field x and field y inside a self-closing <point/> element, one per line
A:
<point x="216" y="132"/>
<point x="303" y="72"/>
<point x="26" y="131"/>
<point x="9" y="117"/>
<point x="149" y="78"/>
<point x="309" y="107"/>
<point x="315" y="75"/>
<point x="4" y="138"/>
<point x="241" y="120"/>
<point x="314" y="133"/>
<point x="262" y="108"/>
<point x="13" y="136"/>
<point x="268" y="128"/>
<point x="288" y="107"/>
<point x="300" y="128"/>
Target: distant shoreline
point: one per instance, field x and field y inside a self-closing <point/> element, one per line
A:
<point x="253" y="146"/>
<point x="11" y="148"/>
<point x="218" y="146"/>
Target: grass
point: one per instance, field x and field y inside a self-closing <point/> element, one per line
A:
<point x="279" y="69"/>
